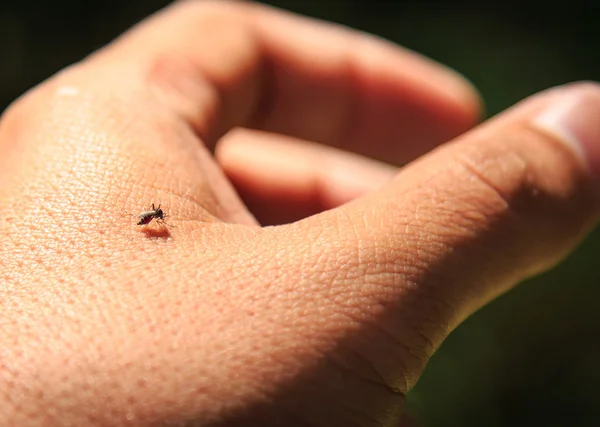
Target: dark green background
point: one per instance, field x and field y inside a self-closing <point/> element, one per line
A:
<point x="529" y="359"/>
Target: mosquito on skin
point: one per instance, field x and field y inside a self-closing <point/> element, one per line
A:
<point x="156" y="213"/>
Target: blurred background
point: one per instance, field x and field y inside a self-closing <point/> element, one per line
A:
<point x="532" y="358"/>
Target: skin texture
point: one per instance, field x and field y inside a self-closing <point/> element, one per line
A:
<point x="326" y="313"/>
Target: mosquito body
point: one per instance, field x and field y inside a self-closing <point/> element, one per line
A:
<point x="154" y="213"/>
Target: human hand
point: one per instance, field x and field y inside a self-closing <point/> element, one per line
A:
<point x="327" y="320"/>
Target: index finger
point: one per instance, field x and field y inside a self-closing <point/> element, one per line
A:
<point x="225" y="64"/>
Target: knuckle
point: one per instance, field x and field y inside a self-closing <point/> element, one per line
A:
<point x="217" y="17"/>
<point x="528" y="176"/>
<point x="496" y="177"/>
<point x="207" y="67"/>
<point x="218" y="7"/>
<point x="48" y="99"/>
<point x="11" y="117"/>
<point x="22" y="113"/>
<point x="522" y="193"/>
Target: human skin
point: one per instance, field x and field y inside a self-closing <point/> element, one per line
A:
<point x="328" y="315"/>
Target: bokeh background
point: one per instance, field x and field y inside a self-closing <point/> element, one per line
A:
<point x="532" y="358"/>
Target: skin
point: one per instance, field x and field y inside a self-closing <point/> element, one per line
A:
<point x="326" y="313"/>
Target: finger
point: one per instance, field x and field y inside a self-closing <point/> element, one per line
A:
<point x="201" y="68"/>
<point x="388" y="276"/>
<point x="282" y="179"/>
<point x="225" y="64"/>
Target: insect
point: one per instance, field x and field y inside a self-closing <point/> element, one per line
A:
<point x="154" y="213"/>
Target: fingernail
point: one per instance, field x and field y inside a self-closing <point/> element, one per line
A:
<point x="574" y="119"/>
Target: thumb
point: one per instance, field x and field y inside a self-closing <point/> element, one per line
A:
<point x="497" y="205"/>
<point x="392" y="273"/>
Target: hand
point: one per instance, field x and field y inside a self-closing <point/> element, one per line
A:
<point x="213" y="320"/>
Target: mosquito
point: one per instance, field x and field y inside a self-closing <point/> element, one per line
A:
<point x="156" y="213"/>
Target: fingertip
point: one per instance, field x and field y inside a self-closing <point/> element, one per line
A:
<point x="574" y="120"/>
<point x="461" y="104"/>
<point x="446" y="88"/>
<point x="464" y="100"/>
<point x="469" y="98"/>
